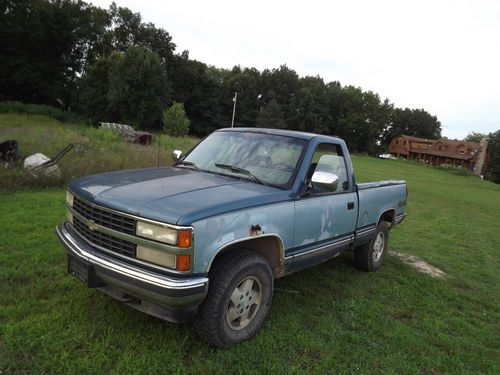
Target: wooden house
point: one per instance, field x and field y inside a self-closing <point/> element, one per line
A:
<point x="443" y="151"/>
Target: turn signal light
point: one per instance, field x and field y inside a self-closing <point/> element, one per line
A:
<point x="184" y="238"/>
<point x="183" y="262"/>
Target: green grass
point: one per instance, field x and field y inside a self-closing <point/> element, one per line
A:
<point x="327" y="319"/>
<point x="100" y="150"/>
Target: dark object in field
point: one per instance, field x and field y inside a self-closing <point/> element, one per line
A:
<point x="128" y="133"/>
<point x="9" y="151"/>
<point x="144" y="138"/>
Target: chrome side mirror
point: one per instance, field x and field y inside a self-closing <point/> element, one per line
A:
<point x="325" y="181"/>
<point x="176" y="155"/>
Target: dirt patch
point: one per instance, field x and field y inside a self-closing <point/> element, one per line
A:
<point x="419" y="264"/>
<point x="402" y="316"/>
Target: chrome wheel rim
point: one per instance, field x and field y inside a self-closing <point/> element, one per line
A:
<point x="378" y="247"/>
<point x="244" y="303"/>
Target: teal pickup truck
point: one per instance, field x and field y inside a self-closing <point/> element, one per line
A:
<point x="204" y="240"/>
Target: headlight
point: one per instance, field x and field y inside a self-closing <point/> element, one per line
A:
<point x="69" y="199"/>
<point x="156" y="232"/>
<point x="155" y="256"/>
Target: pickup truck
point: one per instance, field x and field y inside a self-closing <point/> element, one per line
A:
<point x="205" y="239"/>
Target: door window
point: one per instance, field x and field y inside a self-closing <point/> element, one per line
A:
<point x="329" y="158"/>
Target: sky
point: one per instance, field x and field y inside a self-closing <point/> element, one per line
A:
<point x="441" y="55"/>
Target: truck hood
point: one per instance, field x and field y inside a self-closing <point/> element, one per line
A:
<point x="174" y="195"/>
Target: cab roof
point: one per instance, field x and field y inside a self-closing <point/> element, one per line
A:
<point x="287" y="133"/>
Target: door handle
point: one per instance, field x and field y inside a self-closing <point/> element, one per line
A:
<point x="350" y="205"/>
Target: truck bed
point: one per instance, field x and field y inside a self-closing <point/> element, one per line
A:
<point x="375" y="198"/>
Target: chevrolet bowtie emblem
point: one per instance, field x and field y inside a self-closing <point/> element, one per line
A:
<point x="92" y="226"/>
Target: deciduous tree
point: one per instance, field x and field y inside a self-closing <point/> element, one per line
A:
<point x="475" y="137"/>
<point x="175" y="120"/>
<point x="308" y="106"/>
<point x="138" y="88"/>
<point x="94" y="88"/>
<point x="494" y="150"/>
<point x="44" y="46"/>
<point x="271" y="116"/>
<point x="415" y="122"/>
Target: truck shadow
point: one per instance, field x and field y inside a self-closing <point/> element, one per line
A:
<point x="308" y="293"/>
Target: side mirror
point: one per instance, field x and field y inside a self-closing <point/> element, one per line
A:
<point x="176" y="155"/>
<point x="325" y="181"/>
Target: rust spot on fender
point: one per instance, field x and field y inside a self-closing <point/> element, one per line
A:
<point x="256" y="230"/>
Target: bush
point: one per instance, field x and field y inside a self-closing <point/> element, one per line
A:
<point x="37" y="109"/>
<point x="175" y="120"/>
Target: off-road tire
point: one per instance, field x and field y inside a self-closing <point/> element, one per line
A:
<point x="365" y="256"/>
<point x="226" y="274"/>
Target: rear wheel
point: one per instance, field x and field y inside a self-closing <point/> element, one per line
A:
<point x="369" y="257"/>
<point x="238" y="300"/>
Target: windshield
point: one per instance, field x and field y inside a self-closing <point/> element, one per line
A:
<point x="269" y="159"/>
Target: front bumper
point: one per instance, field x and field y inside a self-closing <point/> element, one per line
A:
<point x="169" y="298"/>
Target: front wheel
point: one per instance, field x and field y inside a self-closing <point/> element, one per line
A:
<point x="369" y="257"/>
<point x="238" y="300"/>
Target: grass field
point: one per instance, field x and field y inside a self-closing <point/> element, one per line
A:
<point x="327" y="319"/>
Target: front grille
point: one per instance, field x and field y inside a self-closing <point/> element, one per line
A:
<point x="105" y="218"/>
<point x="104" y="240"/>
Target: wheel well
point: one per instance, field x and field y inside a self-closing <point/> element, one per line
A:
<point x="269" y="247"/>
<point x="388" y="216"/>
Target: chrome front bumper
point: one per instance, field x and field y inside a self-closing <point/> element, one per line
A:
<point x="139" y="288"/>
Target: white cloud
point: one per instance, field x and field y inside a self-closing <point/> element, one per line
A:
<point x="440" y="55"/>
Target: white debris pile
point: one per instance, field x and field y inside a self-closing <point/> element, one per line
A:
<point x="128" y="133"/>
<point x="33" y="163"/>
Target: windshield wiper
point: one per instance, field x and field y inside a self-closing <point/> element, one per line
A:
<point x="187" y="164"/>
<point x="235" y="169"/>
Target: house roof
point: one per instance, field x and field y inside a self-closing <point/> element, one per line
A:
<point x="411" y="138"/>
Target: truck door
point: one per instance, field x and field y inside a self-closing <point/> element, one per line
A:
<point x="325" y="220"/>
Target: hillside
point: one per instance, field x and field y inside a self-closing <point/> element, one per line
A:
<point x="98" y="150"/>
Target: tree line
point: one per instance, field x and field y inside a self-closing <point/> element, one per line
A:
<point x="110" y="65"/>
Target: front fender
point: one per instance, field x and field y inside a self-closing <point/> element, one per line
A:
<point x="214" y="234"/>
